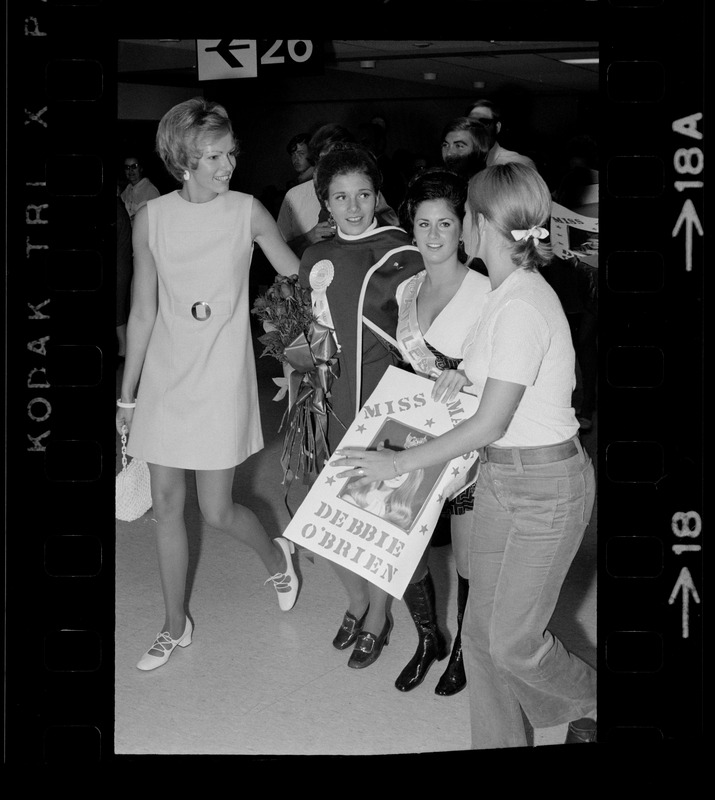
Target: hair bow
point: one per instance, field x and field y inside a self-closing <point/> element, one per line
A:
<point x="535" y="232"/>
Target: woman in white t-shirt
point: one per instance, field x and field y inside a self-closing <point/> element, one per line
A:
<point x="535" y="492"/>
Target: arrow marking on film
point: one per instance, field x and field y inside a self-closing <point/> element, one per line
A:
<point x="685" y="581"/>
<point x="689" y="216"/>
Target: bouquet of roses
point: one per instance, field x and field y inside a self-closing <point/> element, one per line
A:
<point x="308" y="351"/>
<point x="286" y="312"/>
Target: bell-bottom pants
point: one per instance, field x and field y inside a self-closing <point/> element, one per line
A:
<point x="529" y="522"/>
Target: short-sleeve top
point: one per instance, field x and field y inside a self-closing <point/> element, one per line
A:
<point x="523" y="337"/>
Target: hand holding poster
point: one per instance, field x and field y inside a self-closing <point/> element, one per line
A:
<point x="380" y="531"/>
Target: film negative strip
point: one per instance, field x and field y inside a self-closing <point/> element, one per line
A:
<point x="60" y="370"/>
<point x="650" y="508"/>
<point x="60" y="289"/>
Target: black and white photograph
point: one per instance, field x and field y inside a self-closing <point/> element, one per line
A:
<point x="345" y="377"/>
<point x="384" y="221"/>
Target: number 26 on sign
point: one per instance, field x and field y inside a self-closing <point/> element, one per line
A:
<point x="688" y="161"/>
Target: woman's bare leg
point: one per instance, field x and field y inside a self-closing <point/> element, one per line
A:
<point x="356" y="589"/>
<point x="218" y="509"/>
<point x="375" y="620"/>
<point x="168" y="493"/>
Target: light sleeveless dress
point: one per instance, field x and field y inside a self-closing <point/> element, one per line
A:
<point x="197" y="402"/>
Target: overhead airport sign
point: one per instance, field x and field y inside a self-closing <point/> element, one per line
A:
<point x="227" y="59"/>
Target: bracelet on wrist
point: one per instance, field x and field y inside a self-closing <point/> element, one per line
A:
<point x="120" y="404"/>
<point x="394" y="464"/>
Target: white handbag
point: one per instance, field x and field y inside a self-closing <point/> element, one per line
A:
<point x="133" y="487"/>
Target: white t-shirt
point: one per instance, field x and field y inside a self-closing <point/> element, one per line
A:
<point x="523" y="337"/>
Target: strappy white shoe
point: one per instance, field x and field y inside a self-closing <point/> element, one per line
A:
<point x="166" y="645"/>
<point x="286" y="583"/>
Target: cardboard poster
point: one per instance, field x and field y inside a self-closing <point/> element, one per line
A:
<point x="574" y="234"/>
<point x="381" y="531"/>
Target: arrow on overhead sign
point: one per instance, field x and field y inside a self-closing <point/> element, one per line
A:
<point x="226" y="58"/>
<point x="224" y="48"/>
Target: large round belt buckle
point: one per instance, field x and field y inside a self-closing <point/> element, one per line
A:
<point x="201" y="311"/>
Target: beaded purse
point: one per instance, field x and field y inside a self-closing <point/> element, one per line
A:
<point x="133" y="487"/>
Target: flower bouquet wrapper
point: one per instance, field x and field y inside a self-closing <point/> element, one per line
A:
<point x="313" y="359"/>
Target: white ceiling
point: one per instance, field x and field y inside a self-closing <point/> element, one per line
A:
<point x="532" y="66"/>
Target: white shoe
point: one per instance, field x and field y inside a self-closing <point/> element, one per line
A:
<point x="286" y="583"/>
<point x="166" y="644"/>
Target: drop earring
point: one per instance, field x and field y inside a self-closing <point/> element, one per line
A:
<point x="186" y="175"/>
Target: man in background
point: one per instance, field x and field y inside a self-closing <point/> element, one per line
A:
<point x="489" y="115"/>
<point x="139" y="190"/>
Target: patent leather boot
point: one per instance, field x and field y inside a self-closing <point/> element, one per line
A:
<point x="454" y="679"/>
<point x="432" y="646"/>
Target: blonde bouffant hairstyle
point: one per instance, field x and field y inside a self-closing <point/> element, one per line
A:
<point x="514" y="196"/>
<point x="182" y="130"/>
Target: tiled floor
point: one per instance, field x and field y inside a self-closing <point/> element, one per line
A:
<point x="260" y="681"/>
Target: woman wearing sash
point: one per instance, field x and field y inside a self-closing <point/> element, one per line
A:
<point x="353" y="277"/>
<point x="438" y="307"/>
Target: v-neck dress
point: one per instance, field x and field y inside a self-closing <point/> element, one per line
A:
<point x="197" y="403"/>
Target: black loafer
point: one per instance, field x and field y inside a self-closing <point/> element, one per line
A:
<point x="349" y="630"/>
<point x="582" y="731"/>
<point x="368" y="646"/>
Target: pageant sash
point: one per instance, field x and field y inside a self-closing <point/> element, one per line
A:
<point x="410" y="340"/>
<point x="362" y="319"/>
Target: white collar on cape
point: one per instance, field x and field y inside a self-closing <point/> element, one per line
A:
<point x="372" y="229"/>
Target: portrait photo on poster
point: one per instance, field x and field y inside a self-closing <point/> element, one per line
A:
<point x="397" y="500"/>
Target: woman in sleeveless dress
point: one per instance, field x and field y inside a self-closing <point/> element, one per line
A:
<point x="189" y="352"/>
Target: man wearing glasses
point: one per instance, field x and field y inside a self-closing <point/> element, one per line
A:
<point x="488" y="114"/>
<point x="139" y="190"/>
